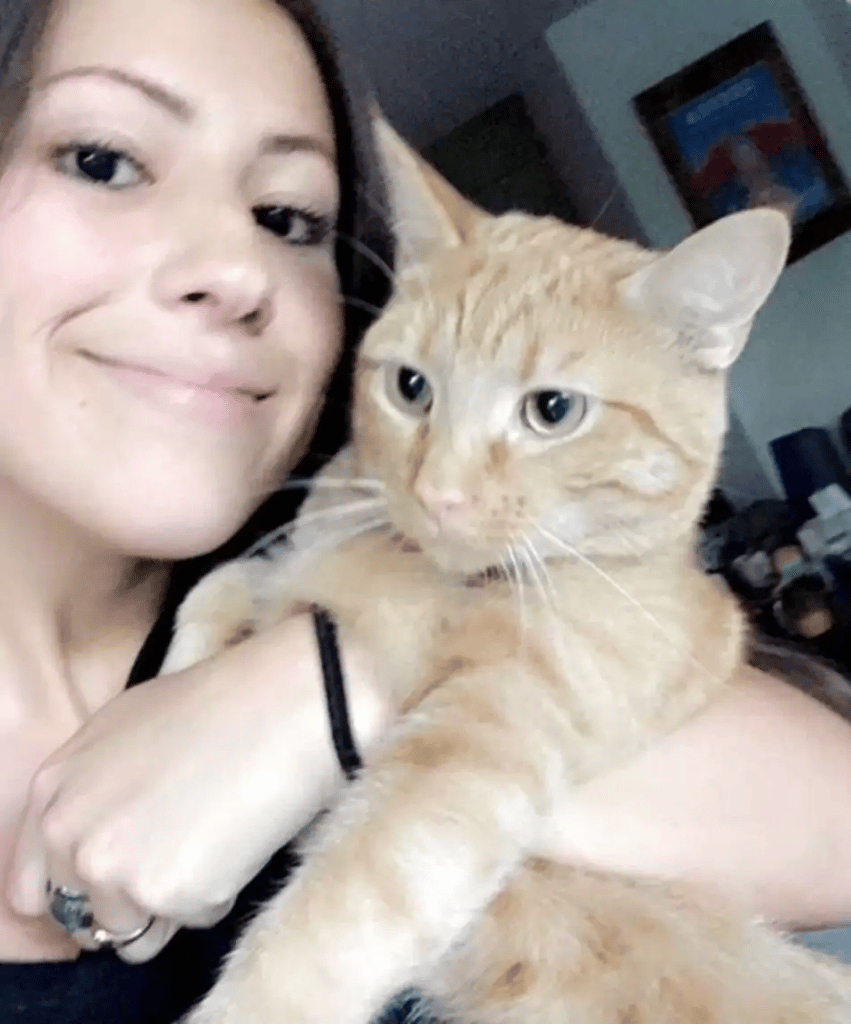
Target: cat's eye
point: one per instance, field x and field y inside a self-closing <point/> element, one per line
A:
<point x="410" y="390"/>
<point x="554" y="413"/>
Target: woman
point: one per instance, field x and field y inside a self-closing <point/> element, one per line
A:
<point x="173" y="180"/>
<point x="170" y="317"/>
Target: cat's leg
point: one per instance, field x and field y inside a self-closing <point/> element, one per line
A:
<point x="413" y="853"/>
<point x="561" y="945"/>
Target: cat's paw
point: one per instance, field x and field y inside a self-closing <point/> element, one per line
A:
<point x="217" y="613"/>
<point x="234" y="1004"/>
<point x="275" y="975"/>
<point x="205" y="1014"/>
<point x="239" y="996"/>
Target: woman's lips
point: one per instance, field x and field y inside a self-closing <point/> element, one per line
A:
<point x="213" y="398"/>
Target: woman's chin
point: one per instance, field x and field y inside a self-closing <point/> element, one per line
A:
<point x="174" y="531"/>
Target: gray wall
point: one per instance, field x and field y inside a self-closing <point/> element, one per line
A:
<point x="436" y="63"/>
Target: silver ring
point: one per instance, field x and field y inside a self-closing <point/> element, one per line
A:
<point x="72" y="911"/>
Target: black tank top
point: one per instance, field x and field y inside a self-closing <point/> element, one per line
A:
<point x="98" y="988"/>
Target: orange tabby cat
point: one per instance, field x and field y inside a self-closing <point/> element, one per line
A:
<point x="537" y="421"/>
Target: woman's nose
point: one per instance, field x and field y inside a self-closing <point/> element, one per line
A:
<point x="219" y="269"/>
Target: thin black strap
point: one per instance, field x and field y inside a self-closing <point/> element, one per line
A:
<point x="335" y="693"/>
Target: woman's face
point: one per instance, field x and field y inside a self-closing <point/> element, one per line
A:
<point x="168" y="294"/>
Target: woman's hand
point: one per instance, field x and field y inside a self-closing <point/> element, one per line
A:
<point x="173" y="796"/>
<point x="752" y="796"/>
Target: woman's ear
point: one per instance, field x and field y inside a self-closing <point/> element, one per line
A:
<point x="429" y="214"/>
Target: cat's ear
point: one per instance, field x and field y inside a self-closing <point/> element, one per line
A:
<point x="429" y="214"/>
<point x="710" y="287"/>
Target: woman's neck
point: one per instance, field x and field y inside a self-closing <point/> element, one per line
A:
<point x="72" y="613"/>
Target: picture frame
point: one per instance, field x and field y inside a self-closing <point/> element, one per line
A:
<point x="735" y="130"/>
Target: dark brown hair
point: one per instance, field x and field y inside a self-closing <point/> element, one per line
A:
<point x="363" y="223"/>
<point x="22" y="27"/>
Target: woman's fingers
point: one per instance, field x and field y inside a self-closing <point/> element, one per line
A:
<point x="130" y="928"/>
<point x="95" y="918"/>
<point x="156" y="937"/>
<point x="211" y="915"/>
<point x="46" y="879"/>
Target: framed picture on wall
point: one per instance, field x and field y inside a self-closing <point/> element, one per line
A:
<point x="734" y="130"/>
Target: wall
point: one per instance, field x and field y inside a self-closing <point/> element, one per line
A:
<point x="498" y="160"/>
<point x="797" y="368"/>
<point x="436" y="63"/>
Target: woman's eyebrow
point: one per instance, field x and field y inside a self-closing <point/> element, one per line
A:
<point x="283" y="145"/>
<point x="278" y="144"/>
<point x="175" y="105"/>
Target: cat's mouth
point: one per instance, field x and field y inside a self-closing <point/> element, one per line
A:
<point x="465" y="549"/>
<point x="461" y="556"/>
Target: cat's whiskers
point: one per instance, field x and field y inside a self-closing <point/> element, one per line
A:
<point x="343" y="509"/>
<point x="510" y="569"/>
<point x="604" y="208"/>
<point x="330" y="540"/>
<point x="365" y="251"/>
<point x="355" y="482"/>
<point x="539" y="571"/>
<point x="332" y="514"/>
<point x="557" y="638"/>
<point x="545" y="573"/>
<point x="524" y="570"/>
<point x="404" y="246"/>
<point x="306" y="483"/>
<point x="401" y="243"/>
<point x="678" y="645"/>
<point x="399" y="224"/>
<point x="369" y="307"/>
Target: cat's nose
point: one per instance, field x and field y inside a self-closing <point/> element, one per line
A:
<point x="445" y="505"/>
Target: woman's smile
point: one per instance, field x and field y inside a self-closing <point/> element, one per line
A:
<point x="213" y="399"/>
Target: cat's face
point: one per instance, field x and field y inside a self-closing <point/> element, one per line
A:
<point x="528" y="387"/>
<point x="509" y="396"/>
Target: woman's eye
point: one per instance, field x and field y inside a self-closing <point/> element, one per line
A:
<point x="554" y="413"/>
<point x="100" y="165"/>
<point x="410" y="390"/>
<point x="297" y="227"/>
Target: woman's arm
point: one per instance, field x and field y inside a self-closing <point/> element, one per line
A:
<point x="178" y="791"/>
<point x="173" y="795"/>
<point x="752" y="796"/>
